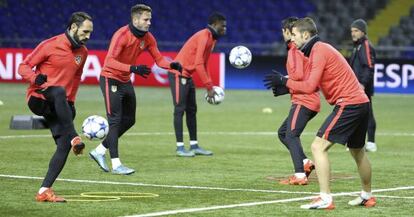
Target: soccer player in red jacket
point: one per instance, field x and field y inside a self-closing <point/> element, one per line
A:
<point x="52" y="92"/>
<point x="194" y="57"/>
<point x="304" y="108"/>
<point x="347" y="124"/>
<point x="126" y="45"/>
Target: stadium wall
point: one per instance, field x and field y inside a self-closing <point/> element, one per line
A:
<point x="391" y="75"/>
<point x="10" y="59"/>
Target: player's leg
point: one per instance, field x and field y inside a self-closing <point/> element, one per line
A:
<point x="129" y="105"/>
<point x="191" y="118"/>
<point x="127" y="121"/>
<point x="372" y="125"/>
<point x="281" y="133"/>
<point x="57" y="162"/>
<point x="356" y="147"/>
<point x="191" y="112"/>
<point x="179" y="90"/>
<point x="298" y="117"/>
<point x="333" y="130"/>
<point x="56" y="97"/>
<point x="320" y="149"/>
<point x="112" y="98"/>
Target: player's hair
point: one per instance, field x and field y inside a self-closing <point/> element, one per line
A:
<point x="215" y="17"/>
<point x="78" y="18"/>
<point x="138" y="9"/>
<point x="306" y="25"/>
<point x="288" y="23"/>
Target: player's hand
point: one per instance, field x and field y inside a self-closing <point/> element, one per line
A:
<point x="141" y="70"/>
<point x="274" y="79"/>
<point x="280" y="90"/>
<point x="40" y="79"/>
<point x="211" y="93"/>
<point x="177" y="66"/>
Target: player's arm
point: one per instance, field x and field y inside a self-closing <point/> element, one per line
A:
<point x="199" y="64"/>
<point x="37" y="56"/>
<point x="116" y="47"/>
<point x="77" y="80"/>
<point x="156" y="55"/>
<point x="367" y="62"/>
<point x="311" y="84"/>
<point x="159" y="59"/>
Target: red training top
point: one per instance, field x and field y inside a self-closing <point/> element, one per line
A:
<point x="124" y="50"/>
<point x="298" y="69"/>
<point x="330" y="72"/>
<point x="55" y="58"/>
<point x="194" y="56"/>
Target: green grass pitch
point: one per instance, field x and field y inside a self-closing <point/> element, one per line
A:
<point x="246" y="153"/>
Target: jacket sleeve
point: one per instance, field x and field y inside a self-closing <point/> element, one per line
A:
<point x="367" y="60"/>
<point x="37" y="56"/>
<point x="77" y="80"/>
<point x="156" y="55"/>
<point x="294" y="64"/>
<point x="200" y="63"/>
<point x="118" y="43"/>
<point x="310" y="85"/>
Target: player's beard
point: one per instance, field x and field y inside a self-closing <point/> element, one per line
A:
<point x="76" y="37"/>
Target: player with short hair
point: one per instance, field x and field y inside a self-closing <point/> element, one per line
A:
<point x="304" y="108"/>
<point x="347" y="124"/>
<point x="362" y="61"/>
<point x="52" y="92"/>
<point x="126" y="45"/>
<point x="194" y="57"/>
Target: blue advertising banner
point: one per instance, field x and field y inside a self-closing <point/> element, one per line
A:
<point x="391" y="76"/>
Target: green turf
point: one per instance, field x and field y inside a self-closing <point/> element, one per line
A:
<point x="242" y="159"/>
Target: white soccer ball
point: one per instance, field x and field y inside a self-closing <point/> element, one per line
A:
<point x="218" y="97"/>
<point x="240" y="57"/>
<point x="95" y="127"/>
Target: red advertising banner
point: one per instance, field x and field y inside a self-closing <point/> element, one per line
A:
<point x="10" y="58"/>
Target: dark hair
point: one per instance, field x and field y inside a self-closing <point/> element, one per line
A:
<point x="306" y="25"/>
<point x="288" y="23"/>
<point x="138" y="9"/>
<point x="216" y="17"/>
<point x="78" y="18"/>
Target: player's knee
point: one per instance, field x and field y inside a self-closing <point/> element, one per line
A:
<point x="129" y="122"/>
<point x="179" y="111"/>
<point x="320" y="145"/>
<point x="191" y="110"/>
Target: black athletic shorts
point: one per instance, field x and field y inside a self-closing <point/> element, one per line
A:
<point x="346" y="125"/>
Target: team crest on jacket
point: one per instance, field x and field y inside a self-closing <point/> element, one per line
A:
<point x="183" y="81"/>
<point x="78" y="59"/>
<point x="142" y="45"/>
<point x="114" y="88"/>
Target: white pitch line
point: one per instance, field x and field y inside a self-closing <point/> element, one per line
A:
<point x="161" y="186"/>
<point x="203" y="133"/>
<point x="191" y="210"/>
<point x="389" y="196"/>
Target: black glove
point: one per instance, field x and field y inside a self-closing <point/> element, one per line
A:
<point x="274" y="79"/>
<point x="40" y="79"/>
<point x="141" y="70"/>
<point x="280" y="90"/>
<point x="177" y="66"/>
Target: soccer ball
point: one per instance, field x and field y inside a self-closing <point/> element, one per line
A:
<point x="95" y="127"/>
<point x="218" y="97"/>
<point x="240" y="57"/>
